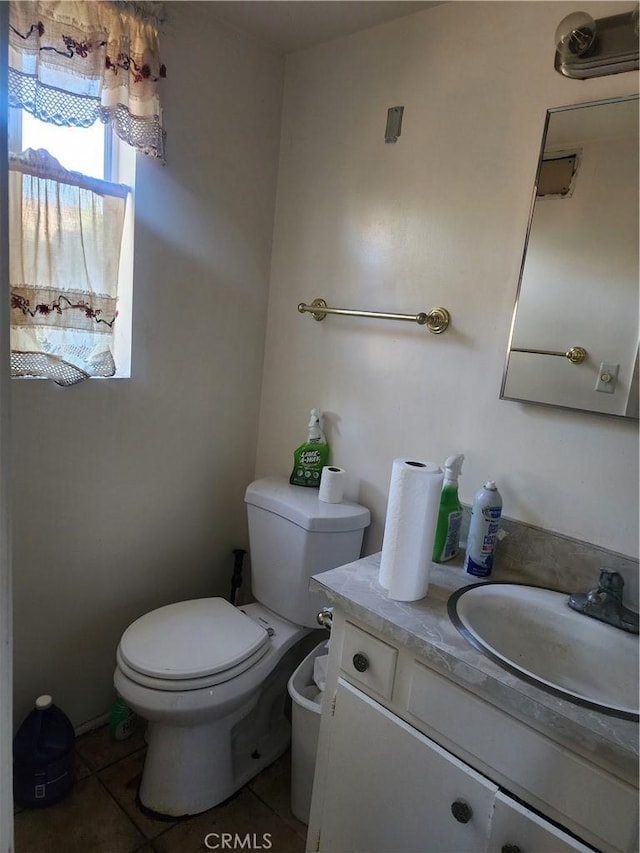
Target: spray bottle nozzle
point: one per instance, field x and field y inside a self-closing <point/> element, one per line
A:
<point x="453" y="466"/>
<point x="315" y="431"/>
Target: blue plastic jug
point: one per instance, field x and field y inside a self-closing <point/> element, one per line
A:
<point x="43" y="756"/>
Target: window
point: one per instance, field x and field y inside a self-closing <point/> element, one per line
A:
<point x="95" y="152"/>
<point x="74" y="69"/>
<point x="79" y="149"/>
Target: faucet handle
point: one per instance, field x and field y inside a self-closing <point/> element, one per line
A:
<point x="611" y="582"/>
<point x="604" y="602"/>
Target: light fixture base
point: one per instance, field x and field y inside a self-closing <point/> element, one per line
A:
<point x="613" y="50"/>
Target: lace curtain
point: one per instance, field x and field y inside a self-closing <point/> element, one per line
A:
<point x="71" y="63"/>
<point x="65" y="233"/>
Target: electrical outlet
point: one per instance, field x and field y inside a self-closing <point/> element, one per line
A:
<point x="607" y="378"/>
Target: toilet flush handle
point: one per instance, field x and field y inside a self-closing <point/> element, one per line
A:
<point x="325" y="617"/>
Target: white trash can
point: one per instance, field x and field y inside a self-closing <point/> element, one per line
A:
<point x="305" y="727"/>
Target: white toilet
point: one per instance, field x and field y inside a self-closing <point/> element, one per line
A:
<point x="211" y="678"/>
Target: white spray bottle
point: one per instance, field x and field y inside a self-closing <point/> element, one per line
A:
<point x="483" y="530"/>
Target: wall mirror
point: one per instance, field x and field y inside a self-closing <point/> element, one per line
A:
<point x="574" y="333"/>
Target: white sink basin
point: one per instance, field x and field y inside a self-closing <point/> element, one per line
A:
<point x="534" y="633"/>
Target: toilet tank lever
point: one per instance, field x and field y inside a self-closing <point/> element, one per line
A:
<point x="325" y="617"/>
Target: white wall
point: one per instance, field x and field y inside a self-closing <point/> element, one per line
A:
<point x="439" y="218"/>
<point x="129" y="493"/>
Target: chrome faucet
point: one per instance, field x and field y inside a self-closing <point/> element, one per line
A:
<point x="604" y="602"/>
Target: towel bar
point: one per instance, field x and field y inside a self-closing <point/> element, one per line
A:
<point x="576" y="355"/>
<point x="436" y="320"/>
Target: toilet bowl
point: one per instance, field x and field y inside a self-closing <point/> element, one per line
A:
<point x="199" y="753"/>
<point x="211" y="678"/>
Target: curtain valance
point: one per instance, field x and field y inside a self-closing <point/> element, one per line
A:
<point x="71" y="63"/>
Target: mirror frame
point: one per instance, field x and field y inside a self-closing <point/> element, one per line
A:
<point x="550" y="112"/>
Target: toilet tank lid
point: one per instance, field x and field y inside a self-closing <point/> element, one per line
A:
<point x="300" y="505"/>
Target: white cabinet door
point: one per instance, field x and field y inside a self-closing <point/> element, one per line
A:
<point x="390" y="789"/>
<point x="516" y="829"/>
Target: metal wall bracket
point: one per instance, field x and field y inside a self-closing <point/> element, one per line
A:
<point x="394" y="124"/>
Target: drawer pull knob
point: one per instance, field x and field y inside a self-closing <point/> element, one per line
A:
<point x="461" y="811"/>
<point x="361" y="662"/>
<point x="509" y="848"/>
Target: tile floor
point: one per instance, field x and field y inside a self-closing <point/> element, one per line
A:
<point x="100" y="814"/>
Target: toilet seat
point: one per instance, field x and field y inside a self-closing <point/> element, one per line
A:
<point x="191" y="645"/>
<point x="185" y="684"/>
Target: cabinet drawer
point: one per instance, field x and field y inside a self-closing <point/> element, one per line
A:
<point x="368" y="660"/>
<point x="515" y="827"/>
<point x="561" y="784"/>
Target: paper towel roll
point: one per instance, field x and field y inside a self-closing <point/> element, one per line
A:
<point x="332" y="484"/>
<point x="409" y="531"/>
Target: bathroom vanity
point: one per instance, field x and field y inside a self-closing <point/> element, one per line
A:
<point x="427" y="745"/>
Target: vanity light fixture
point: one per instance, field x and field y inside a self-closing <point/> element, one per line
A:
<point x="593" y="48"/>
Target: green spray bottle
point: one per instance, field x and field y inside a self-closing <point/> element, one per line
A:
<point x="447" y="539"/>
<point x="310" y="458"/>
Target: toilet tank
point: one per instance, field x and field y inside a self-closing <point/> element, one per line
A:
<point x="293" y="535"/>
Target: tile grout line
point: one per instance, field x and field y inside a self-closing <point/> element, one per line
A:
<point x="145" y="840"/>
<point x="281" y="817"/>
<point x="96" y="773"/>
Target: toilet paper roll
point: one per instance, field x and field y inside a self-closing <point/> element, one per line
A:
<point x="409" y="531"/>
<point x="332" y="484"/>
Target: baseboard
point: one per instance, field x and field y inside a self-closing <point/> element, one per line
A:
<point x="90" y="725"/>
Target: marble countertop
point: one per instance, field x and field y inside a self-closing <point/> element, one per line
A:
<point x="424" y="628"/>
